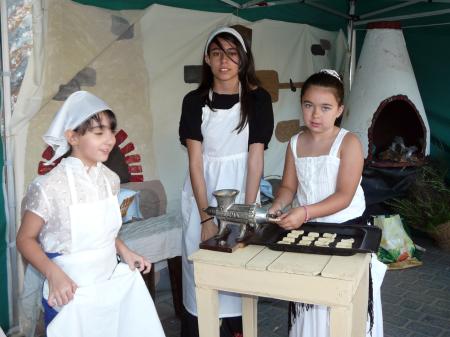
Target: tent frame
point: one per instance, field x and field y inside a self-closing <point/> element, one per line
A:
<point x="7" y="172"/>
<point x="354" y="21"/>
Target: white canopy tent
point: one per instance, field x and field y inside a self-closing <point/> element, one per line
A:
<point x="68" y="38"/>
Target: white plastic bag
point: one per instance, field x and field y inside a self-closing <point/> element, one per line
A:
<point x="396" y="245"/>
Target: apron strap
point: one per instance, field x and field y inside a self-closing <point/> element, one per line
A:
<point x="108" y="185"/>
<point x="294" y="145"/>
<point x="337" y="143"/>
<point x="70" y="180"/>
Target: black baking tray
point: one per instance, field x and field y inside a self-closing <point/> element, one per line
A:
<point x="367" y="238"/>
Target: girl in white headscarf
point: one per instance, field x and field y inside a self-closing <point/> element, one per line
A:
<point x="71" y="218"/>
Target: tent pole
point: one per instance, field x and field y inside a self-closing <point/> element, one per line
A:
<point x="8" y="173"/>
<point x="405" y="17"/>
<point x="351" y="39"/>
<point x="390" y="8"/>
<point x="326" y="9"/>
<point x="262" y="4"/>
<point x="232" y="3"/>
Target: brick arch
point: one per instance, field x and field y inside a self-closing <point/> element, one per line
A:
<point x="132" y="160"/>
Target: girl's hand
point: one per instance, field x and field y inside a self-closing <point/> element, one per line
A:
<point x="61" y="287"/>
<point x="134" y="261"/>
<point x="292" y="219"/>
<point x="274" y="213"/>
<point x="209" y="229"/>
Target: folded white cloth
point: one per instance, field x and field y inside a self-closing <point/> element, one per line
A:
<point x="77" y="108"/>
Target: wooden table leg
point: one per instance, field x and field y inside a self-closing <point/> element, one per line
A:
<point x="208" y="312"/>
<point x="360" y="302"/>
<point x="341" y="321"/>
<point x="174" y="265"/>
<point x="350" y="321"/>
<point x="249" y="315"/>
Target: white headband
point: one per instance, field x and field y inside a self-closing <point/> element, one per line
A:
<point x="331" y="72"/>
<point x="228" y="30"/>
<point x="78" y="107"/>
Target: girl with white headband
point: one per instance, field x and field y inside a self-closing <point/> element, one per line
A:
<point x="226" y="124"/>
<point x="69" y="232"/>
<point x="323" y="169"/>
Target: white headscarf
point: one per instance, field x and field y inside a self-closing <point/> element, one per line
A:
<point x="228" y="30"/>
<point x="78" y="107"/>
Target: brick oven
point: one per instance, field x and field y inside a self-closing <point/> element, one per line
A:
<point x="384" y="107"/>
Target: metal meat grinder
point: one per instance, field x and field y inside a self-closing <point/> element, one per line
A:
<point x="249" y="217"/>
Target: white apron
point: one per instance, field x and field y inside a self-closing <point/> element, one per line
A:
<point x="225" y="155"/>
<point x="317" y="177"/>
<point x="111" y="300"/>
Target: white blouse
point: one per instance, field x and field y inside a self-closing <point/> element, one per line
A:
<point x="48" y="196"/>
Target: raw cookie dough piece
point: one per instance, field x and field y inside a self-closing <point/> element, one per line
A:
<point x="281" y="242"/>
<point x="308" y="238"/>
<point x="329" y="235"/>
<point x="344" y="245"/>
<point x="313" y="234"/>
<point x="304" y="243"/>
<point x="298" y="231"/>
<point x="287" y="239"/>
<point x="328" y="240"/>
<point x="351" y="240"/>
<point x="321" y="244"/>
<point x="293" y="235"/>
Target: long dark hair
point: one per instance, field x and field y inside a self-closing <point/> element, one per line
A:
<point x="246" y="74"/>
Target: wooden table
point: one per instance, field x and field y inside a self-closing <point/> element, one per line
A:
<point x="340" y="282"/>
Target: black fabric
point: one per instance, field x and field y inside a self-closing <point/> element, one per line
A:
<point x="382" y="184"/>
<point x="116" y="162"/>
<point x="260" y="126"/>
<point x="370" y="305"/>
<point x="230" y="327"/>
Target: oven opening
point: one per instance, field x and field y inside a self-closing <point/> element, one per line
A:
<point x="397" y="135"/>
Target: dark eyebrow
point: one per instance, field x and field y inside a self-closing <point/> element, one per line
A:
<point x="101" y="127"/>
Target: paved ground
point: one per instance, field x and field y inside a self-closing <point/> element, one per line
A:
<point x="416" y="302"/>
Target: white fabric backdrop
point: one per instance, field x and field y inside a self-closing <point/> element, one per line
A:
<point x="169" y="38"/>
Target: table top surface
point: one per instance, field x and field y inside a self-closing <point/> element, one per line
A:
<point x="260" y="258"/>
<point x="150" y="226"/>
<point x="157" y="238"/>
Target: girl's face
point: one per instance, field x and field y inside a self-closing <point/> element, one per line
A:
<point x="320" y="108"/>
<point x="224" y="64"/>
<point x="95" y="145"/>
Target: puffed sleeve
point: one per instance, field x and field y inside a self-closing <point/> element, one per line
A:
<point x="36" y="201"/>
<point x="261" y="124"/>
<point x="191" y="118"/>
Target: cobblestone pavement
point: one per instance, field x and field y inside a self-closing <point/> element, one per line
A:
<point x="416" y="302"/>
